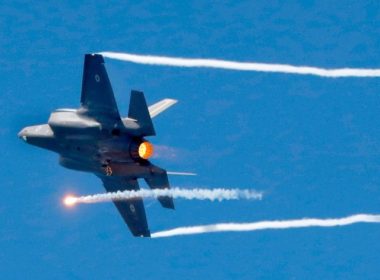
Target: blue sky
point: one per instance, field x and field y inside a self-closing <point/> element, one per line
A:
<point x="312" y="144"/>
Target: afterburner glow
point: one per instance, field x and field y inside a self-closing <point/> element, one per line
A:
<point x="145" y="150"/>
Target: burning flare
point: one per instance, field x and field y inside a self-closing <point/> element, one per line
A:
<point x="70" y="200"/>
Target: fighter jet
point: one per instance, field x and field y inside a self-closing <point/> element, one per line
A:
<point x="95" y="139"/>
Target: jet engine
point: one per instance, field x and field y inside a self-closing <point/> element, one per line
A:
<point x="141" y="149"/>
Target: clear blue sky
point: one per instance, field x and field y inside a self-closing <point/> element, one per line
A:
<point x="312" y="144"/>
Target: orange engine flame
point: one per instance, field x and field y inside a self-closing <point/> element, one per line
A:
<point x="145" y="150"/>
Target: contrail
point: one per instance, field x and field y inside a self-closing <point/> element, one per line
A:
<point x="243" y="66"/>
<point x="201" y="194"/>
<point x="302" y="223"/>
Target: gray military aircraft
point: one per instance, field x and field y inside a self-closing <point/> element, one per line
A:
<point x="94" y="138"/>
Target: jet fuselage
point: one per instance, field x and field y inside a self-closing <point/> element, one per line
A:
<point x="84" y="145"/>
<point x="94" y="138"/>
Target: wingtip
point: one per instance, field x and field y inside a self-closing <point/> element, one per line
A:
<point x="173" y="101"/>
<point x="142" y="234"/>
<point x="94" y="57"/>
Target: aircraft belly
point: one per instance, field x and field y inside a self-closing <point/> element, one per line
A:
<point x="76" y="164"/>
<point x="131" y="170"/>
<point x="95" y="139"/>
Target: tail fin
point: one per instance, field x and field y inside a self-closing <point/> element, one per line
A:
<point x="139" y="114"/>
<point x="159" y="180"/>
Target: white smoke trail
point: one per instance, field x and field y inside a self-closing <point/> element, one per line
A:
<point x="302" y="223"/>
<point x="201" y="194"/>
<point x="243" y="66"/>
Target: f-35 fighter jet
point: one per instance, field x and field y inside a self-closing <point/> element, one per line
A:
<point x="94" y="138"/>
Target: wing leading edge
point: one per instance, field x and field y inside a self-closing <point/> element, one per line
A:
<point x="132" y="211"/>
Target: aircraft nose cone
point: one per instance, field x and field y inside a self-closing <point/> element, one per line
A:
<point x="22" y="134"/>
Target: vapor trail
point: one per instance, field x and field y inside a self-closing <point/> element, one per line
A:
<point x="302" y="223"/>
<point x="243" y="66"/>
<point x="201" y="194"/>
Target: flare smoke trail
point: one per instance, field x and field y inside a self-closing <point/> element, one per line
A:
<point x="302" y="223"/>
<point x="243" y="66"/>
<point x="202" y="194"/>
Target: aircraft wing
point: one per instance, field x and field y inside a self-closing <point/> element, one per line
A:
<point x="132" y="211"/>
<point x="97" y="98"/>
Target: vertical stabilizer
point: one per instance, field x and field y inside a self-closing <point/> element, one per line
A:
<point x="138" y="112"/>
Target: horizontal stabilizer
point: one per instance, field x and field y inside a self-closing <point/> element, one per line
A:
<point x="161" y="106"/>
<point x="181" y="173"/>
<point x="138" y="112"/>
<point x="159" y="180"/>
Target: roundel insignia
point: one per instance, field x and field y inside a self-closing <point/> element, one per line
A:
<point x="132" y="208"/>
<point x="97" y="78"/>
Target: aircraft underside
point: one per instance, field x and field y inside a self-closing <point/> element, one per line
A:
<point x="94" y="138"/>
